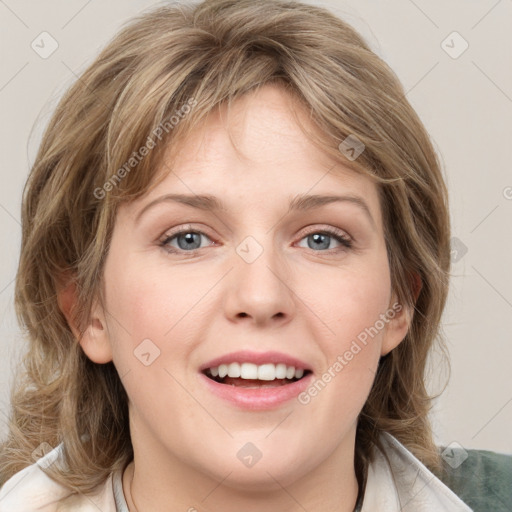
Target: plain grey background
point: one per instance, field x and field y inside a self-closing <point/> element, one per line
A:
<point x="455" y="61"/>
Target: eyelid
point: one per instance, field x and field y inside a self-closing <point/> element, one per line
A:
<point x="319" y="228"/>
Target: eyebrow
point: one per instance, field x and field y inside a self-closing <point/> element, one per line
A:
<point x="208" y="202"/>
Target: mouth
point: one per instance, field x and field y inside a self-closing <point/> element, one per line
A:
<point x="250" y="375"/>
<point x="256" y="381"/>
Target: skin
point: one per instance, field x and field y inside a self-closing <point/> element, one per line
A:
<point x="305" y="301"/>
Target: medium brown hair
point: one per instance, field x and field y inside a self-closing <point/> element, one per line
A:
<point x="181" y="62"/>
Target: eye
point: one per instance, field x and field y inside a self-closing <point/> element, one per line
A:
<point x="321" y="239"/>
<point x="187" y="240"/>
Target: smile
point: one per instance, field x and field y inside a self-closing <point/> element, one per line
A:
<point x="258" y="383"/>
<point x="256" y="375"/>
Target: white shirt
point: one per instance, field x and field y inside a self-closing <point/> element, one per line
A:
<point x="408" y="486"/>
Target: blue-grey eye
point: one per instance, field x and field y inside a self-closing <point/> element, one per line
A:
<point x="319" y="241"/>
<point x="322" y="239"/>
<point x="186" y="240"/>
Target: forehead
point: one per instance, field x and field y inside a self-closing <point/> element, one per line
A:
<point x="255" y="155"/>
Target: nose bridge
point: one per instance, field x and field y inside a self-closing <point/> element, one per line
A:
<point x="259" y="285"/>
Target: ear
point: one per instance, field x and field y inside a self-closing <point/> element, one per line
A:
<point x="94" y="339"/>
<point x="399" y="324"/>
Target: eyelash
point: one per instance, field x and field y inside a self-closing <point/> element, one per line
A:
<point x="337" y="234"/>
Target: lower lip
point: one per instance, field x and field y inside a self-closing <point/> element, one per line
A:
<point x="254" y="398"/>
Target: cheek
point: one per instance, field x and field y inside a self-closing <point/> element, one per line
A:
<point x="361" y="303"/>
<point x="145" y="299"/>
<point x="350" y="300"/>
<point x="147" y="315"/>
<point x="151" y="302"/>
<point x="356" y="312"/>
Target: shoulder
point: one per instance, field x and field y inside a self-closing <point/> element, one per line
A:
<point x="483" y="479"/>
<point x="398" y="481"/>
<point x="32" y="489"/>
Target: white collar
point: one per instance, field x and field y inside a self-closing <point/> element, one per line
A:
<point x="407" y="486"/>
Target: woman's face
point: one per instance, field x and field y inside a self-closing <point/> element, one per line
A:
<point x="253" y="282"/>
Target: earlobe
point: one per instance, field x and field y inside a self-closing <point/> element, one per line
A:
<point x="396" y="329"/>
<point x="398" y="326"/>
<point x="94" y="339"/>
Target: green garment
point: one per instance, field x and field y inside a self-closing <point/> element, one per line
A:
<point x="483" y="480"/>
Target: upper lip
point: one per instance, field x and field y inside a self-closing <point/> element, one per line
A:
<point x="258" y="358"/>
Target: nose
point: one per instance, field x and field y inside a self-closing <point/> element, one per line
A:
<point x="259" y="290"/>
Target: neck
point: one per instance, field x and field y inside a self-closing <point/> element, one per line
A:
<point x="214" y="498"/>
<point x="155" y="480"/>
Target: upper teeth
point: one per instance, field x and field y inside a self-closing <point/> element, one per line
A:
<point x="267" y="371"/>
